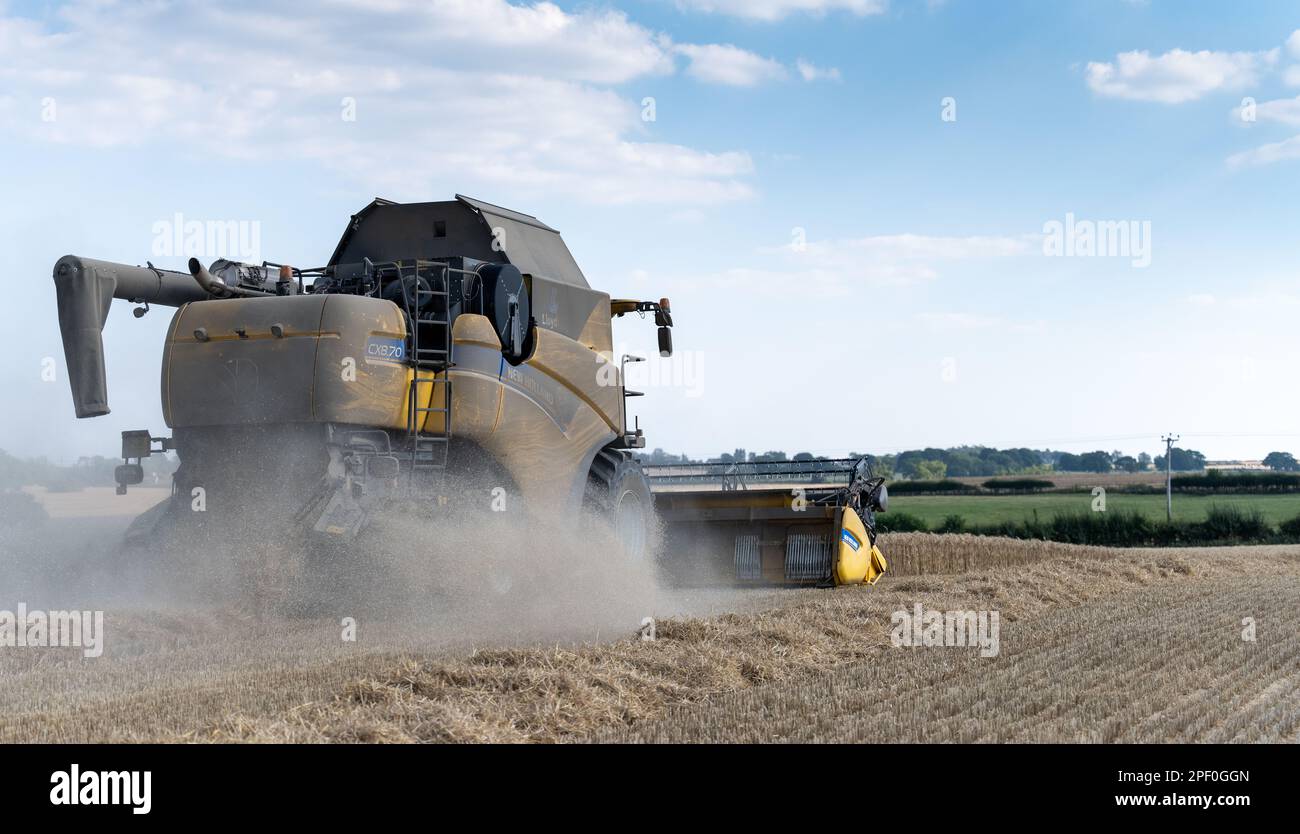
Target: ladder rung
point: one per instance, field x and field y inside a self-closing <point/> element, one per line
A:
<point x="429" y="453"/>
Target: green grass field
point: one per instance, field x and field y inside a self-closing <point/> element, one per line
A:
<point x="989" y="509"/>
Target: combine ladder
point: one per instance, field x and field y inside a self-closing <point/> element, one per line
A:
<point x="430" y="363"/>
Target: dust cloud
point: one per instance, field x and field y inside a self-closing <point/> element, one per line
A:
<point x="424" y="575"/>
<point x="242" y="611"/>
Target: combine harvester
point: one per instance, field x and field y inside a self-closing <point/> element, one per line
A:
<point x="444" y="343"/>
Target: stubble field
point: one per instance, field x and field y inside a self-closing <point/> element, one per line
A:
<point x="994" y="509"/>
<point x="1096" y="646"/>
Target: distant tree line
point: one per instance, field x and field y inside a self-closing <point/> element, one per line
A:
<point x="1281" y="462"/>
<point x="933" y="464"/>
<point x="1216" y="481"/>
<point x="1182" y="460"/>
<point x="968" y="461"/>
<point x="659" y="456"/>
<point x="920" y="464"/>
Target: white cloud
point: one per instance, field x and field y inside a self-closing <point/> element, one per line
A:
<point x="1293" y="44"/>
<point x="1176" y="76"/>
<point x="928" y="247"/>
<point x="1284" y="110"/>
<point x="730" y="65"/>
<point x="1263" y="301"/>
<point x="833" y="269"/>
<point x="1283" y="151"/>
<point x="887" y="260"/>
<point x="600" y="46"/>
<point x="910" y="247"/>
<point x="770" y="10"/>
<point x="497" y="93"/>
<point x="958" y="321"/>
<point x="975" y="321"/>
<point x="810" y="72"/>
<point x="765" y="282"/>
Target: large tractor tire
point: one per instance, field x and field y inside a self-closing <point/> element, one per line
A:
<point x="618" y="490"/>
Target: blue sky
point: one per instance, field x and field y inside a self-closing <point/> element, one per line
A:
<point x="849" y="270"/>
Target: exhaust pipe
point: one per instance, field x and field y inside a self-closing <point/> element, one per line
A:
<point x="211" y="285"/>
<point x="85" y="289"/>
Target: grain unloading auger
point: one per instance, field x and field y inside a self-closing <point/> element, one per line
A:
<point x="448" y="352"/>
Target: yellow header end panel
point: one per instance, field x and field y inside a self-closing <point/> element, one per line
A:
<point x="878" y="566"/>
<point x="853" y="553"/>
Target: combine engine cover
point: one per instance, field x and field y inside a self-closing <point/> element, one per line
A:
<point x="293" y="359"/>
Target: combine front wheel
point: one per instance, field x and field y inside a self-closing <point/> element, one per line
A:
<point x="620" y="491"/>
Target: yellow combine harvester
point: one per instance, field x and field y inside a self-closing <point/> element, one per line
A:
<point x="443" y="344"/>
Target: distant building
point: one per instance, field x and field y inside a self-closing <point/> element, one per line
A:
<point x="1236" y="465"/>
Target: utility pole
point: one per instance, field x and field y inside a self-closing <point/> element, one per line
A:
<point x="1169" y="441"/>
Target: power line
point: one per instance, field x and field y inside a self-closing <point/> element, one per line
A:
<point x="1169" y="440"/>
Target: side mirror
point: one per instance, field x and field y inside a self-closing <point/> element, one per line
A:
<point x="879" y="499"/>
<point x="136" y="444"/>
<point x="129" y="474"/>
<point x="665" y="342"/>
